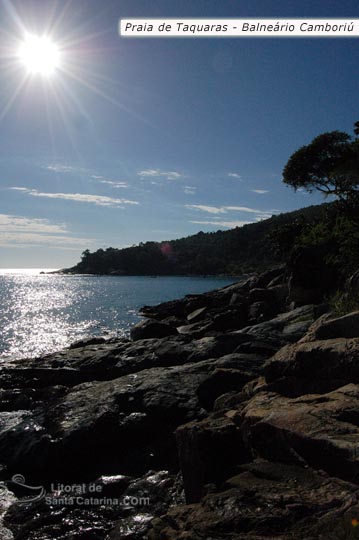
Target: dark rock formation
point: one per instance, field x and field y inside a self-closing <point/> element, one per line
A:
<point x="227" y="414"/>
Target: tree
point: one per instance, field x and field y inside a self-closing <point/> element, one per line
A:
<point x="328" y="164"/>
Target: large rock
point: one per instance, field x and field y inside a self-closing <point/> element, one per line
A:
<point x="346" y="326"/>
<point x="151" y="329"/>
<point x="120" y="425"/>
<point x="209" y="452"/>
<point x="267" y="501"/>
<point x="323" y="364"/>
<point x="316" y="430"/>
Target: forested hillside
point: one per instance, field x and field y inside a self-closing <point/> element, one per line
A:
<point x="243" y="249"/>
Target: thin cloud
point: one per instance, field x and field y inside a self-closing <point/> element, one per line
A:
<point x="227" y="224"/>
<point x="169" y="175"/>
<point x="65" y="169"/>
<point x="259" y="191"/>
<point x="98" y="200"/>
<point x="33" y="239"/>
<point x="20" y="231"/>
<point x="10" y="224"/>
<point x="114" y="184"/>
<point x="226" y="209"/>
<point x="189" y="190"/>
<point x="209" y="209"/>
<point x="234" y="175"/>
<point x="243" y="209"/>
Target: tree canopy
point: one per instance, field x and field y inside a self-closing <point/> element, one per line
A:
<point x="329" y="164"/>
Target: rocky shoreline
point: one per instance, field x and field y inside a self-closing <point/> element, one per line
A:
<point x="232" y="414"/>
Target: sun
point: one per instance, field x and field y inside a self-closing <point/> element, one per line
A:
<point x="39" y="54"/>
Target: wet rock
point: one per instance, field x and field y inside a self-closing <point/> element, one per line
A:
<point x="7" y="499"/>
<point x="123" y="510"/>
<point x="266" y="501"/>
<point x="127" y="423"/>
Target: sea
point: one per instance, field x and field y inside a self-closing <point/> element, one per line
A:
<point x="41" y="313"/>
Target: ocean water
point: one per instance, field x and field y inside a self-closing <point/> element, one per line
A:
<point x="43" y="313"/>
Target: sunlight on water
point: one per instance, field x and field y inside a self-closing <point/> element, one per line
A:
<point x="43" y="313"/>
<point x="25" y="271"/>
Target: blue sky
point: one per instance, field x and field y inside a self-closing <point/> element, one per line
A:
<point x="153" y="139"/>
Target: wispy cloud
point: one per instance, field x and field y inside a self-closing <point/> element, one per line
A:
<point x="65" y="169"/>
<point x="244" y="209"/>
<point x="70" y="169"/>
<point x="259" y="191"/>
<point x="19" y="231"/>
<point x="9" y="223"/>
<point x="258" y="215"/>
<point x="189" y="190"/>
<point x="112" y="183"/>
<point x="234" y="175"/>
<point x="98" y="200"/>
<point x="21" y="240"/>
<point x="209" y="209"/>
<point x="227" y="224"/>
<point x="226" y="209"/>
<point x="169" y="175"/>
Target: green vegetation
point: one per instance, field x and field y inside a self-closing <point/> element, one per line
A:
<point x="243" y="249"/>
<point x="329" y="164"/>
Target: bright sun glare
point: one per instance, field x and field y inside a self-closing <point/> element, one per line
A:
<point x="40" y="55"/>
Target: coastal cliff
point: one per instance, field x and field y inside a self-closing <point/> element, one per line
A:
<point x="230" y="414"/>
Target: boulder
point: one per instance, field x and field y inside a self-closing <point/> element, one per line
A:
<point x="209" y="452"/>
<point x="333" y="361"/>
<point x="274" y="273"/>
<point x="261" y="295"/>
<point x="346" y="326"/>
<point x="151" y="329"/>
<point x="318" y="430"/>
<point x="221" y="381"/>
<point x="260" y="311"/>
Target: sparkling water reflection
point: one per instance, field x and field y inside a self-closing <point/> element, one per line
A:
<point x="43" y="313"/>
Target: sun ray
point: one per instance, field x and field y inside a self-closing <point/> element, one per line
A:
<point x="13" y="98"/>
<point x="10" y="8"/>
<point x="64" y="117"/>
